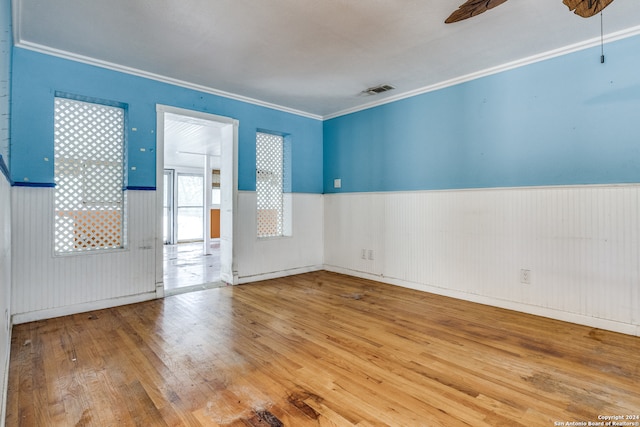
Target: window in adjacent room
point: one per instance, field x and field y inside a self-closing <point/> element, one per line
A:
<point x="273" y="185"/>
<point x="215" y="187"/>
<point x="190" y="207"/>
<point x="89" y="176"/>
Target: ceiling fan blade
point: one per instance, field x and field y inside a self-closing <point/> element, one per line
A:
<point x="472" y="8"/>
<point x="586" y="8"/>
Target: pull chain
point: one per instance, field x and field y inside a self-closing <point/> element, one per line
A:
<point x="601" y="40"/>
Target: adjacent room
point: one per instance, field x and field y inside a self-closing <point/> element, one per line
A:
<point x="298" y="213"/>
<point x="191" y="203"/>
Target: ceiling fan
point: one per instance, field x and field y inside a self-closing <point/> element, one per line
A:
<point x="584" y="8"/>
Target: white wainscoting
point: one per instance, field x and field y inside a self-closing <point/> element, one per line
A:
<point x="5" y="290"/>
<point x="47" y="286"/>
<point x="581" y="245"/>
<point x="259" y="259"/>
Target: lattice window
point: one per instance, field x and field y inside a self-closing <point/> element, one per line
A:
<point x="269" y="184"/>
<point x="89" y="175"/>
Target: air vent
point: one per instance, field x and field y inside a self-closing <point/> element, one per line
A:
<point x="375" y="90"/>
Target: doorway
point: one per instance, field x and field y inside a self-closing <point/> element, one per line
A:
<point x="197" y="193"/>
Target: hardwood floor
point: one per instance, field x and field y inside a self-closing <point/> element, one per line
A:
<point x="317" y="349"/>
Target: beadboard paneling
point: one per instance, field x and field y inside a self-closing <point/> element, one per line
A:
<point x="259" y="259"/>
<point x="5" y="289"/>
<point x="580" y="244"/>
<point x="45" y="285"/>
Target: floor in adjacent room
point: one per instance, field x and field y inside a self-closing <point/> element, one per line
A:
<point x="318" y="349"/>
<point x="187" y="268"/>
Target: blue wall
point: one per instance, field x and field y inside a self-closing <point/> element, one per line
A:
<point x="567" y="120"/>
<point x="36" y="78"/>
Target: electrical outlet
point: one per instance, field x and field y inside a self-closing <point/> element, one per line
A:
<point x="525" y="276"/>
<point x="364" y="254"/>
<point x="370" y="254"/>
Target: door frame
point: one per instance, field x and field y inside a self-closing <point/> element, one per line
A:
<point x="229" y="271"/>
<point x="172" y="205"/>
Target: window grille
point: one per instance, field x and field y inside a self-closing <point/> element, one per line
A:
<point x="89" y="176"/>
<point x="269" y="184"/>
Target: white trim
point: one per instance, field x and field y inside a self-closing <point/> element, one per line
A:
<point x="160" y="290"/>
<point x="297" y="193"/>
<point x="157" y="77"/>
<point x="16" y="12"/>
<point x="51" y="313"/>
<point x="619" y="35"/>
<point x="278" y="274"/>
<point x="161" y="108"/>
<point x="594" y="322"/>
<point x="485" y="189"/>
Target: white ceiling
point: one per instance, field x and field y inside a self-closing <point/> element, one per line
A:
<point x="187" y="140"/>
<point x="311" y="56"/>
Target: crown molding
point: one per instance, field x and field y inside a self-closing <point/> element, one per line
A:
<point x="157" y="77"/>
<point x="619" y="35"/>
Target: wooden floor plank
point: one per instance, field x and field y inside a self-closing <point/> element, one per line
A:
<point x="318" y="349"/>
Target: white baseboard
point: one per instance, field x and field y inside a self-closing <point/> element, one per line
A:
<point x="594" y="322"/>
<point x="33" y="316"/>
<point x="277" y="274"/>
